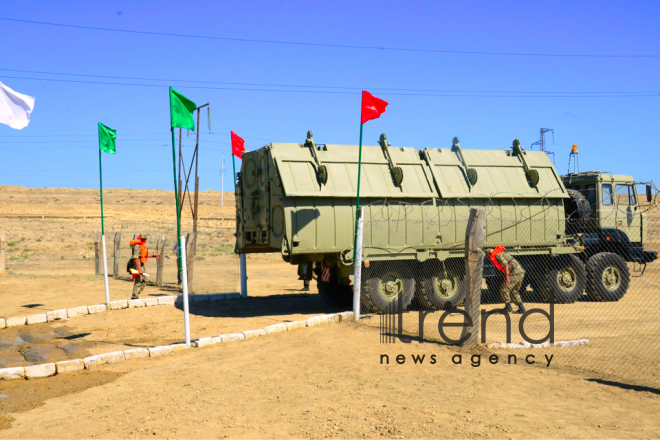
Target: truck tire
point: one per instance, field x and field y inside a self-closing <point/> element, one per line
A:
<point x="578" y="211"/>
<point x="384" y="283"/>
<point x="442" y="285"/>
<point x="562" y="280"/>
<point x="335" y="294"/>
<point x="608" y="277"/>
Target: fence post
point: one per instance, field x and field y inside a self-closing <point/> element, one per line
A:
<point x="3" y="246"/>
<point x="115" y="254"/>
<point x="160" y="248"/>
<point x="357" y="261"/>
<point x="475" y="238"/>
<point x="97" y="255"/>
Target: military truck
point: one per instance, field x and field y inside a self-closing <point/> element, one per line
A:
<point x="299" y="199"/>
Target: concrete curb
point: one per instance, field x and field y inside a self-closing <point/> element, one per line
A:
<point x="63" y="314"/>
<point x="91" y="362"/>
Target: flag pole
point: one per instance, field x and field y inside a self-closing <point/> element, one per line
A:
<point x="182" y="251"/>
<point x="357" y="201"/>
<point x="242" y="261"/>
<point x="105" y="258"/>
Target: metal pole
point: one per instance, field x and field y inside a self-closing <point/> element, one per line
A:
<point x="244" y="291"/>
<point x="176" y="197"/>
<point x="105" y="257"/>
<point x="222" y="179"/>
<point x="357" y="200"/>
<point x="357" y="278"/>
<point x="184" y="277"/>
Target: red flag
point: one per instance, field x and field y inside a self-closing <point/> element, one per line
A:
<point x="372" y="107"/>
<point x="237" y="145"/>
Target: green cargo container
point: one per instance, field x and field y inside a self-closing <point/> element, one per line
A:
<point x="299" y="199"/>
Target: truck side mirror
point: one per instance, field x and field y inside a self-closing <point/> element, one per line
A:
<point x="649" y="193"/>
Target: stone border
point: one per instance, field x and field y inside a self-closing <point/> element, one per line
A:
<point x="525" y="344"/>
<point x="91" y="362"/>
<point x="63" y="314"/>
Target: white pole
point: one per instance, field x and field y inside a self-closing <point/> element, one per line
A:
<point x="243" y="258"/>
<point x="105" y="272"/>
<point x="184" y="279"/>
<point x="222" y="179"/>
<point x="357" y="275"/>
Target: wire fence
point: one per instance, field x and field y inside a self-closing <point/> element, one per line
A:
<point x="571" y="282"/>
<point x="213" y="267"/>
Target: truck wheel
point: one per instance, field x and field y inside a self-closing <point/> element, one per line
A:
<point x="442" y="285"/>
<point x="578" y="211"/>
<point x="564" y="279"/>
<point x="608" y="277"/>
<point x="384" y="284"/>
<point x="335" y="294"/>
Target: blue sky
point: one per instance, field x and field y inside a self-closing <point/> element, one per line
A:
<point x="59" y="147"/>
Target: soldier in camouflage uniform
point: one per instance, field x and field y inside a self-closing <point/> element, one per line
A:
<point x="139" y="256"/>
<point x="513" y="278"/>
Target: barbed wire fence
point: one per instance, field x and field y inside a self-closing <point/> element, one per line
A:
<point x="53" y="243"/>
<point x="585" y="274"/>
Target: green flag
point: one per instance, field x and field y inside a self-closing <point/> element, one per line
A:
<point x="107" y="139"/>
<point x="181" y="110"/>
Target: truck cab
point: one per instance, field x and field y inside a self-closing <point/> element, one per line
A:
<point x="605" y="211"/>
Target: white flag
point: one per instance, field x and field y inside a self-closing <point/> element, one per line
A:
<point x="15" y="108"/>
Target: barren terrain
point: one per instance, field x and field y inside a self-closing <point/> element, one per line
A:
<point x="315" y="382"/>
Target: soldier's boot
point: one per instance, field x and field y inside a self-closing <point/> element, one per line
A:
<point x="521" y="309"/>
<point x="305" y="286"/>
<point x="508" y="307"/>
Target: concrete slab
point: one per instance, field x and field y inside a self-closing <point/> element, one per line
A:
<point x="12" y="373"/>
<point x="56" y="315"/>
<point x="232" y="337"/>
<point x="150" y="302"/>
<point x="135" y="303"/>
<point x="166" y="300"/>
<point x="200" y="298"/>
<point x="69" y="366"/>
<point x="97" y="309"/>
<point x="275" y="328"/>
<point x="160" y="351"/>
<point x="119" y="304"/>
<point x="16" y="321"/>
<point x="37" y="319"/>
<point x="76" y="311"/>
<point x="39" y="371"/>
<point x="254" y="333"/>
<point x="136" y="353"/>
<point x="232" y="295"/>
<point x="295" y="325"/>
<point x="179" y="347"/>
<point x="217" y="297"/>
<point x="2" y="323"/>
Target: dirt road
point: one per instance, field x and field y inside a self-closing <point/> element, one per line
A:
<point x="323" y="382"/>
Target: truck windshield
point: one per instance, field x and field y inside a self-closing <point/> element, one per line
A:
<point x="625" y="195"/>
<point x="607" y="194"/>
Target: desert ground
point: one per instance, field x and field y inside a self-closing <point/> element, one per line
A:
<point x="328" y="381"/>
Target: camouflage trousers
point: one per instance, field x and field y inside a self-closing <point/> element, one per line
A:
<point x="512" y="291"/>
<point x="138" y="287"/>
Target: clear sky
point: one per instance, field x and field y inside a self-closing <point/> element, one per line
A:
<point x="276" y="92"/>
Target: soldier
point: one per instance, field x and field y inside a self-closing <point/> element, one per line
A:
<point x="513" y="278"/>
<point x="139" y="257"/>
